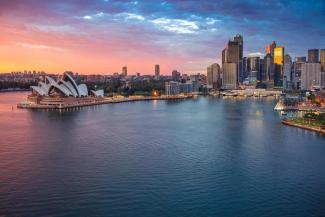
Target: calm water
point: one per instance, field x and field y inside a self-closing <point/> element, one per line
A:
<point x="200" y="157"/>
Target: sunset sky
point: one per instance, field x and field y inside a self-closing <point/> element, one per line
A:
<point x="101" y="36"/>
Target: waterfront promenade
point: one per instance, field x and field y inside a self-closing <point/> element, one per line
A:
<point x="100" y="101"/>
<point x="316" y="129"/>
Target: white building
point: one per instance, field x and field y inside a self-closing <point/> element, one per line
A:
<point x="310" y="76"/>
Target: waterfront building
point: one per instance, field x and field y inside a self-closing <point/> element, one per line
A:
<point x="229" y="76"/>
<point x="322" y="59"/>
<point x="213" y="76"/>
<point x="157" y="71"/>
<point x="278" y="66"/>
<point x="124" y="71"/>
<point x="287" y="71"/>
<point x="172" y="88"/>
<point x="310" y="76"/>
<point x="62" y="91"/>
<point x="313" y="55"/>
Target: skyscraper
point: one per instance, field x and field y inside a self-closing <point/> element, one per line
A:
<point x="322" y="59"/>
<point x="124" y="71"/>
<point x="233" y="53"/>
<point x="269" y="67"/>
<point x="157" y="71"/>
<point x="239" y="39"/>
<point x="310" y="76"/>
<point x="287" y="69"/>
<point x="229" y="76"/>
<point x="214" y="76"/>
<point x="278" y="66"/>
<point x="269" y="49"/>
<point x="313" y="55"/>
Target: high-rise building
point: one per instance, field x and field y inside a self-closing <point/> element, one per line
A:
<point x="239" y="39"/>
<point x="313" y="55"/>
<point x="278" y="66"/>
<point x="157" y="71"/>
<point x="233" y="53"/>
<point x="214" y="76"/>
<point x="176" y="75"/>
<point x="124" y="71"/>
<point x="310" y="76"/>
<point x="268" y="67"/>
<point x="269" y="49"/>
<point x="322" y="59"/>
<point x="229" y="76"/>
<point x="253" y="65"/>
<point x="287" y="71"/>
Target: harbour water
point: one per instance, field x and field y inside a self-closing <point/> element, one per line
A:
<point x="199" y="157"/>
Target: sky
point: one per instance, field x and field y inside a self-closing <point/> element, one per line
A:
<point x="102" y="36"/>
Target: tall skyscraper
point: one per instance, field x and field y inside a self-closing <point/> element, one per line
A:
<point x="313" y="55"/>
<point x="233" y="53"/>
<point x="214" y="76"/>
<point x="278" y="66"/>
<point x="269" y="49"/>
<point x="157" y="70"/>
<point x="253" y="65"/>
<point x="287" y="69"/>
<point x="239" y="39"/>
<point x="229" y="76"/>
<point x="322" y="59"/>
<point x="310" y="76"/>
<point x="124" y="71"/>
<point x="268" y="67"/>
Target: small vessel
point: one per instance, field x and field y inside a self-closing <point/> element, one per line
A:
<point x="283" y="113"/>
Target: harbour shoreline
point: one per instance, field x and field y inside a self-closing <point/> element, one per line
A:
<point x="99" y="101"/>
<point x="314" y="129"/>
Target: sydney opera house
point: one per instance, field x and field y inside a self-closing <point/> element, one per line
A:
<point x="63" y="91"/>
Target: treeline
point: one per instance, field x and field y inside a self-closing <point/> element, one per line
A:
<point x="14" y="84"/>
<point x="319" y="118"/>
<point x="144" y="87"/>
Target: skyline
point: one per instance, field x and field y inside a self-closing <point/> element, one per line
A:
<point x="103" y="36"/>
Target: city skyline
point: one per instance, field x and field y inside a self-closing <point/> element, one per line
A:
<point x="103" y="36"/>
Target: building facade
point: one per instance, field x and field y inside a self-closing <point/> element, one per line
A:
<point x="214" y="76"/>
<point x="157" y="71"/>
<point x="322" y="59"/>
<point x="229" y="76"/>
<point x="278" y="66"/>
<point x="313" y="55"/>
<point x="310" y="76"/>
